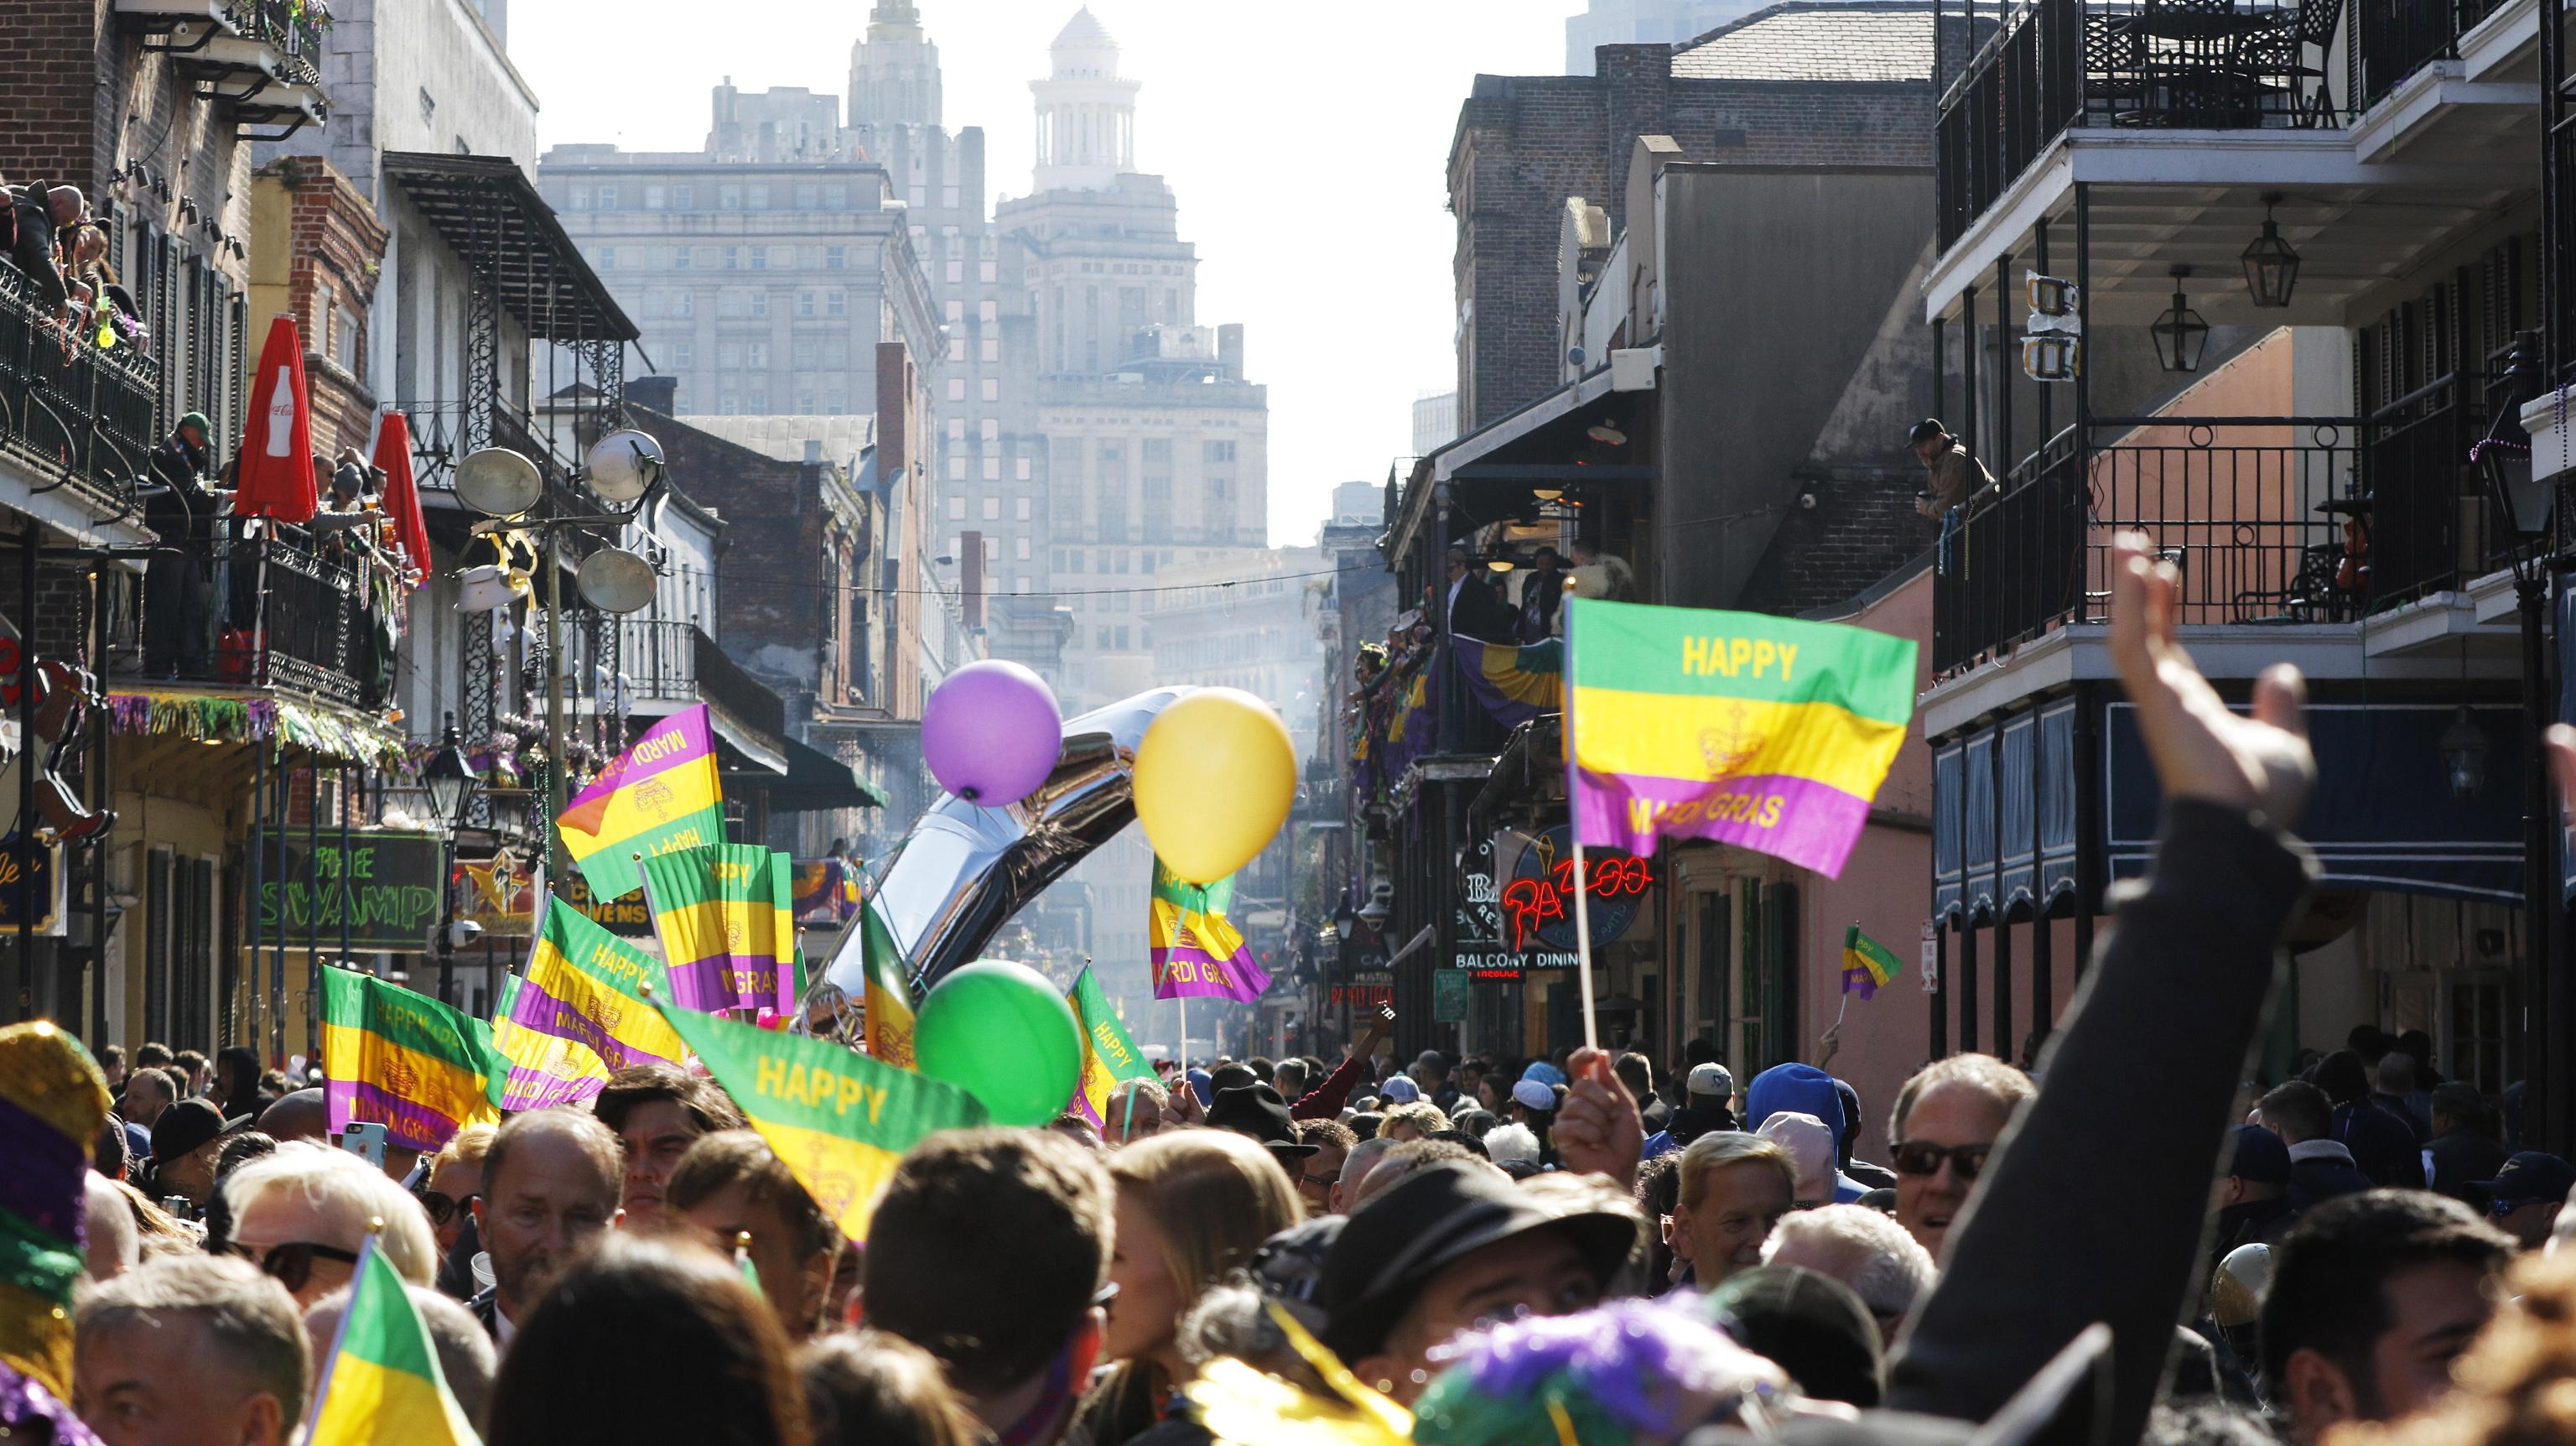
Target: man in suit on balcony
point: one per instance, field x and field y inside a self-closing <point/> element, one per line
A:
<point x="177" y="580"/>
<point x="1474" y="611"/>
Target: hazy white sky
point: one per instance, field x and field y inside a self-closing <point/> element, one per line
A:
<point x="1307" y="141"/>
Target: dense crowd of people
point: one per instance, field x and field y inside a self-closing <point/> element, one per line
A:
<point x="1570" y="1251"/>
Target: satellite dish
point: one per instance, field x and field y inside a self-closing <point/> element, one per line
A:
<point x="498" y="482"/>
<point x="614" y="580"/>
<point x="623" y="464"/>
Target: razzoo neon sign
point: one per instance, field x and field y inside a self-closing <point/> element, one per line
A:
<point x="1538" y="903"/>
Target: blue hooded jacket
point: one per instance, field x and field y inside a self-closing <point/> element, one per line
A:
<point x="1799" y="1088"/>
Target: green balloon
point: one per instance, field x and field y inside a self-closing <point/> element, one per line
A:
<point x="1001" y="1032"/>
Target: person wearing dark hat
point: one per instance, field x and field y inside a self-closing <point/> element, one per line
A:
<point x="178" y="578"/>
<point x="2525" y="1196"/>
<point x="1952" y="476"/>
<point x="1256" y="1110"/>
<point x="1810" y="1324"/>
<point x="2464" y="1148"/>
<point x="185" y="1140"/>
<point x="2253" y="1197"/>
<point x="1453" y="1244"/>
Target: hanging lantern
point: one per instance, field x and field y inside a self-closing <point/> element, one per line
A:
<point x="2271" y="267"/>
<point x="2180" y="333"/>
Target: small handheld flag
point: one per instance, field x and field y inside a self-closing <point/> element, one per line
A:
<point x="403" y="1060"/>
<point x="1867" y="964"/>
<point x="659" y="796"/>
<point x="1196" y="952"/>
<point x="1109" y="1055"/>
<point x="716" y="911"/>
<point x="382" y="1377"/>
<point x="382" y="1381"/>
<point x="887" y="995"/>
<point x="838" y="1119"/>
<point x="1769" y="733"/>
<point x="578" y="1015"/>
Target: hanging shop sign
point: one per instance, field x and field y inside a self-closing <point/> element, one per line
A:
<point x="34" y="877"/>
<point x="498" y="893"/>
<point x="1449" y="993"/>
<point x="1366" y="990"/>
<point x="384" y="884"/>
<point x="1538" y="901"/>
<point x="624" y="915"/>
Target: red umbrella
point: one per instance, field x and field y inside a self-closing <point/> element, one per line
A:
<point x="402" y="496"/>
<point x="277" y="446"/>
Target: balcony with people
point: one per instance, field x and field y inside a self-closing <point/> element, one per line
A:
<point x="78" y="381"/>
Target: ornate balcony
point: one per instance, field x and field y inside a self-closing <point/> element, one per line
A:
<point x="78" y="415"/>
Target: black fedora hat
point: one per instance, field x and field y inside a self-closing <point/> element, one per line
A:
<point x="1395" y="1244"/>
<point x="1257" y="1110"/>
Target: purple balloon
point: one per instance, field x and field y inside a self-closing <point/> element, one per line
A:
<point x="991" y="733"/>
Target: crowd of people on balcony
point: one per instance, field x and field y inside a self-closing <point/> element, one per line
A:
<point x="48" y="235"/>
<point x="187" y="505"/>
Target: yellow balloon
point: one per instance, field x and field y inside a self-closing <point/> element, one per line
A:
<point x="1215" y="775"/>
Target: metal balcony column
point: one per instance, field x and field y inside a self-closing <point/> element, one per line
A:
<point x="2005" y="450"/>
<point x="483" y="328"/>
<point x="1972" y="355"/>
<point x="2083" y="311"/>
<point x="2039" y="263"/>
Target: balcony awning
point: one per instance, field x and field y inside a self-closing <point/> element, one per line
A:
<point x="816" y="781"/>
<point x="2383" y="816"/>
<point x="1544" y="444"/>
<point x="490" y="213"/>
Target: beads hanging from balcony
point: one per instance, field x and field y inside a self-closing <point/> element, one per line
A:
<point x="2271" y="267"/>
<point x="2179" y="333"/>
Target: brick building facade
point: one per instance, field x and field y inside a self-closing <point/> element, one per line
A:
<point x="319" y="254"/>
<point x="1827" y="83"/>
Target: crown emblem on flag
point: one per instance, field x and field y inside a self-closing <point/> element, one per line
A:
<point x="653" y="798"/>
<point x="1729" y="745"/>
<point x="399" y="1079"/>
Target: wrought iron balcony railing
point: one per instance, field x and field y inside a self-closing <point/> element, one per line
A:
<point x="2129" y="64"/>
<point x="277" y="612"/>
<point x="79" y="414"/>
<point x="2252" y="509"/>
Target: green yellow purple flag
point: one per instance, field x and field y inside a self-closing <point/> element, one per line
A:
<point x="715" y="909"/>
<point x="382" y="1381"/>
<point x="402" y="1060"/>
<point x="1769" y="733"/>
<point x="887" y="994"/>
<point x="782" y="926"/>
<point x="656" y="797"/>
<point x="1108" y="1054"/>
<point x="579" y="1014"/>
<point x="839" y="1119"/>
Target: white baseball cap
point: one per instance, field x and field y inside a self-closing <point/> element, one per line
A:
<point x="1711" y="1080"/>
<point x="1530" y="1094"/>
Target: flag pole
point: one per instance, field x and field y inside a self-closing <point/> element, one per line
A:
<point x="1583" y="940"/>
<point x="1574" y="826"/>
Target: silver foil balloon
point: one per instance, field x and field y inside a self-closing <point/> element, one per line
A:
<point x="963" y="871"/>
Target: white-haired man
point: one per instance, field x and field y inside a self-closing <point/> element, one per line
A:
<point x="1863" y="1248"/>
<point x="1734" y="1189"/>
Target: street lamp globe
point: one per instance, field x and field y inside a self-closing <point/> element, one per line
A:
<point x="448" y="777"/>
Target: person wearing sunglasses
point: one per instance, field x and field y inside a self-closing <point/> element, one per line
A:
<point x="2526" y="1195"/>
<point x="1947" y="1120"/>
<point x="452" y="1181"/>
<point x="300" y="1214"/>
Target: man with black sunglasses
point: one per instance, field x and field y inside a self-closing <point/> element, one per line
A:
<point x="1947" y="1120"/>
<point x="301" y="1212"/>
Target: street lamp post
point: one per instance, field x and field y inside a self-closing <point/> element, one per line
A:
<point x="2527" y="507"/>
<point x="451" y="783"/>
